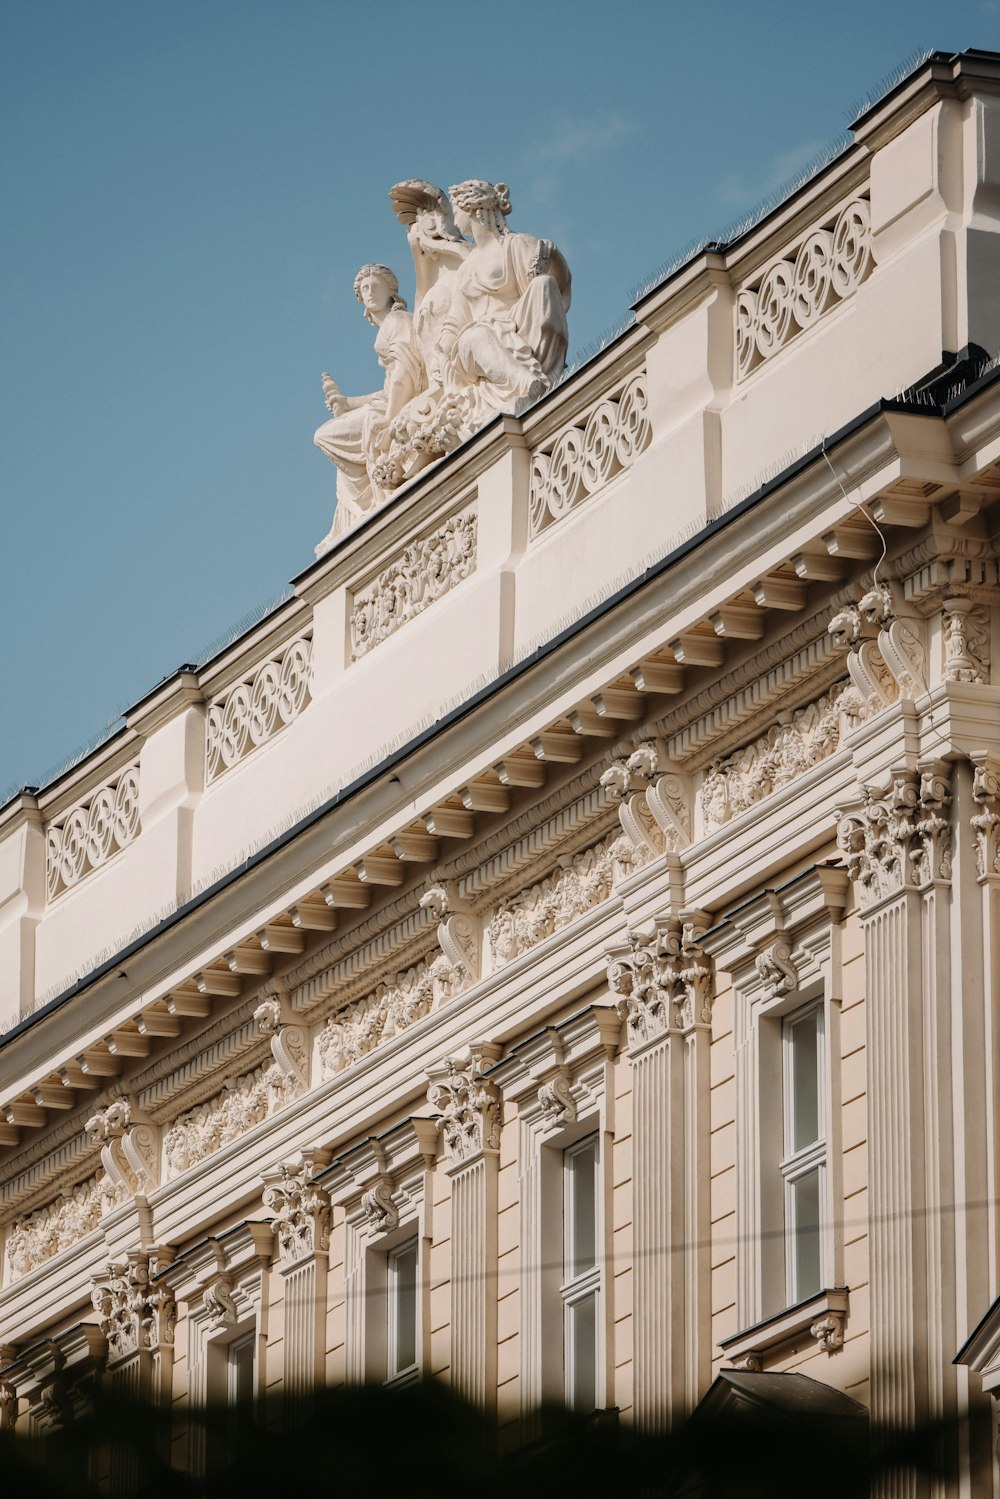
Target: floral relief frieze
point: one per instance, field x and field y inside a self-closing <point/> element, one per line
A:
<point x="86" y="837"/>
<point x="586" y="455"/>
<point x="575" y="886"/>
<point x="422" y="574"/>
<point x="794" y="291"/>
<point x="798" y="741"/>
<point x="244" y="1102"/>
<point x="38" y="1236"/>
<point x="357" y="1029"/>
<point x="254" y="709"/>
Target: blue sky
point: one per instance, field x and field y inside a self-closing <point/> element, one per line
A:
<point x="188" y="189"/>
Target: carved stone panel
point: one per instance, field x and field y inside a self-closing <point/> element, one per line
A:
<point x="798" y="741"/>
<point x="253" y="710"/>
<point x="87" y="836"/>
<point x="575" y="886"/>
<point x="422" y="574"/>
<point x="244" y="1102"/>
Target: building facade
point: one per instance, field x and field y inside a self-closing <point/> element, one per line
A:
<point x="555" y="951"/>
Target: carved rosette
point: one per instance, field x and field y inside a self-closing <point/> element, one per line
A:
<point x="300" y="1210"/>
<point x="663" y="982"/>
<point x="135" y="1313"/>
<point x="900" y="838"/>
<point x="470" y="1107"/>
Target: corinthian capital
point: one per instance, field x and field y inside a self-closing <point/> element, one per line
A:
<point x="470" y="1105"/>
<point x="300" y="1209"/>
<point x="134" y="1310"/>
<point x="663" y="981"/>
<point x="899" y="838"/>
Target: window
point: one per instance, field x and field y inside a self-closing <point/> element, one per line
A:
<point x="581" y="1273"/>
<point x="803" y="1167"/>
<point x="402" y="1365"/>
<point x="240" y="1359"/>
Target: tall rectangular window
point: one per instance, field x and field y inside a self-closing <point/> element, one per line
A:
<point x="581" y="1273"/>
<point x="240" y="1357"/>
<point x="803" y="1164"/>
<point x="402" y="1304"/>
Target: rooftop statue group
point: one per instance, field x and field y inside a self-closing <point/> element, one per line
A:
<point x="487" y="333"/>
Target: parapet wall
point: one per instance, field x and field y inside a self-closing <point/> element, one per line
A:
<point x="740" y="362"/>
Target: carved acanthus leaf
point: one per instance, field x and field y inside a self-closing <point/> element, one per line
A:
<point x="219" y="1304"/>
<point x="575" y="886"/>
<point x="300" y="1210"/>
<point x="777" y="971"/>
<point x="378" y="1206"/>
<point x="555" y="1099"/>
<point x="798" y="741"/>
<point x="900" y="837"/>
<point x="469" y="1106"/>
<point x="135" y="1311"/>
<point x="663" y="981"/>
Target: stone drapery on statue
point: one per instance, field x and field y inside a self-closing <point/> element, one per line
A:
<point x="487" y="334"/>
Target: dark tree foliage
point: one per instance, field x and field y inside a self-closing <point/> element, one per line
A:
<point x="421" y="1441"/>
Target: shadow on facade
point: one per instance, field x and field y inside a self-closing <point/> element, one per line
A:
<point x="756" y="1435"/>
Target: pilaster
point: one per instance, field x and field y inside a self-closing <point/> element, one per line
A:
<point x="664" y="987"/>
<point x="300" y="1214"/>
<point x="470" y="1108"/>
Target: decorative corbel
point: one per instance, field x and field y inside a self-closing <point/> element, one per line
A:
<point x="828" y="1331"/>
<point x="777" y="970"/>
<point x="459" y="934"/>
<point x="986" y="821"/>
<point x="218" y="1301"/>
<point x="289" y="1042"/>
<point x="130" y="1146"/>
<point x="853" y="633"/>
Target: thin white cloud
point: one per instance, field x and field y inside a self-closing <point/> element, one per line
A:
<point x="573" y="137"/>
<point x="738" y="193"/>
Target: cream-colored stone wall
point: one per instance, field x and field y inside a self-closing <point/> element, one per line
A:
<point x="737" y="780"/>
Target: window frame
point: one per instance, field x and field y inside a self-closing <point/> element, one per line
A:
<point x="798" y="1163"/>
<point x="578" y="1287"/>
<point x="397" y="1376"/>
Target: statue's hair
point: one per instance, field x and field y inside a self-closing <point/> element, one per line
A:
<point x="483" y="200"/>
<point x="384" y="274"/>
